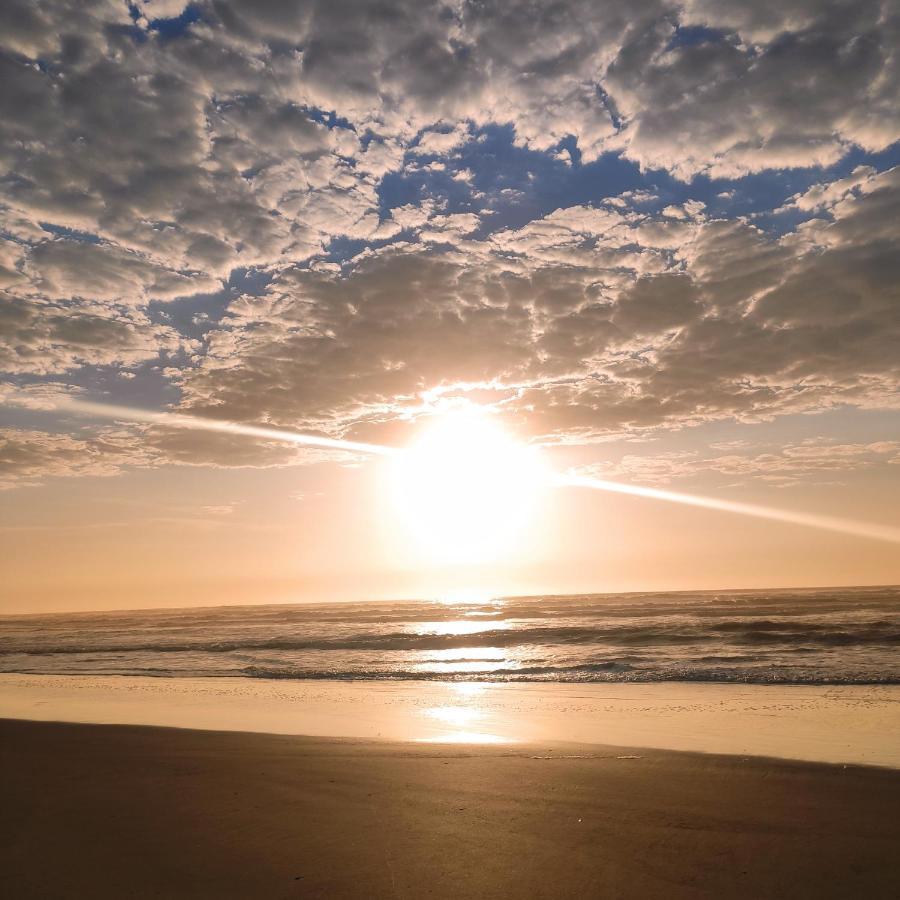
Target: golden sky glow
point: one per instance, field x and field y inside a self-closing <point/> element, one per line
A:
<point x="294" y="324"/>
<point x="466" y="510"/>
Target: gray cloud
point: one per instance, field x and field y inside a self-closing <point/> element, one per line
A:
<point x="65" y="268"/>
<point x="174" y="446"/>
<point x="581" y="336"/>
<point x="203" y="152"/>
<point x="41" y="338"/>
<point x="28" y="457"/>
<point x="136" y="168"/>
<point x="799" y="85"/>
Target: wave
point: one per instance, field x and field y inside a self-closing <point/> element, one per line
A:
<point x="603" y="672"/>
<point x="582" y="674"/>
<point x="764" y="632"/>
<point x="800" y="637"/>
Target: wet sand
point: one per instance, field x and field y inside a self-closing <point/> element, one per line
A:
<point x="843" y="724"/>
<point x="122" y="811"/>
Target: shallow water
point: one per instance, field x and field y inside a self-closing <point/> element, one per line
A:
<point x="838" y="724"/>
<point x="832" y="636"/>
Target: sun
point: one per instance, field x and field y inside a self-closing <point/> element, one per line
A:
<point x="465" y="490"/>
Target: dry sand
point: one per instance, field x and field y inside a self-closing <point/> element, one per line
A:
<point x="121" y="811"/>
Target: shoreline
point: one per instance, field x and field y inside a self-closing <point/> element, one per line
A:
<point x="108" y="811"/>
<point x="835" y="724"/>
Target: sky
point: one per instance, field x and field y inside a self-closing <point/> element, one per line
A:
<point x="656" y="243"/>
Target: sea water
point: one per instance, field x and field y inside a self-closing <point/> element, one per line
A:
<point x="832" y="636"/>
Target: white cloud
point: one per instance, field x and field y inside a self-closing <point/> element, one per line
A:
<point x="441" y="142"/>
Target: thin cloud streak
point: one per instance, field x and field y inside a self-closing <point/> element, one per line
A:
<point x="180" y="420"/>
<point x="808" y="520"/>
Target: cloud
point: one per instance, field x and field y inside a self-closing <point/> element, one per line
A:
<point x="590" y="322"/>
<point x="165" y="145"/>
<point x="788" y="466"/>
<point x="439" y="142"/>
<point x="786" y="85"/>
<point x="228" y="146"/>
<point x="28" y="457"/>
<point x="178" y="446"/>
<point x="272" y="173"/>
<point x="66" y="268"/>
<point x="42" y="338"/>
<point x="46" y="395"/>
<point x="179" y="156"/>
<point x="825" y="196"/>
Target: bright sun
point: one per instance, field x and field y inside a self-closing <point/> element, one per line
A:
<point x="465" y="490"/>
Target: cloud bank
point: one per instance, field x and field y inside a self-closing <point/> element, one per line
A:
<point x="303" y="214"/>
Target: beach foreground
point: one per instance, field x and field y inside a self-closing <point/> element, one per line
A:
<point x="114" y="811"/>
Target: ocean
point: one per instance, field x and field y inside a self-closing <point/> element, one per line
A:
<point x="830" y="636"/>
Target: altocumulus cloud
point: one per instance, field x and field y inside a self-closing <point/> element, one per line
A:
<point x="152" y="151"/>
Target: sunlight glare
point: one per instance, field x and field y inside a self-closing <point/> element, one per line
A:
<point x="465" y="490"/>
<point x="468" y="597"/>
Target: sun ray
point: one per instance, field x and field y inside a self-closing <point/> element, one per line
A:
<point x="198" y="423"/>
<point x="809" y="520"/>
<point x="461" y="464"/>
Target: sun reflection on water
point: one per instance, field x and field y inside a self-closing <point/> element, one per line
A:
<point x="461" y="627"/>
<point x="454" y="715"/>
<point x="460" y="666"/>
<point x="466" y="737"/>
<point x="461" y="660"/>
<point x="462" y="716"/>
<point x="468" y="688"/>
<point x="457" y="654"/>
